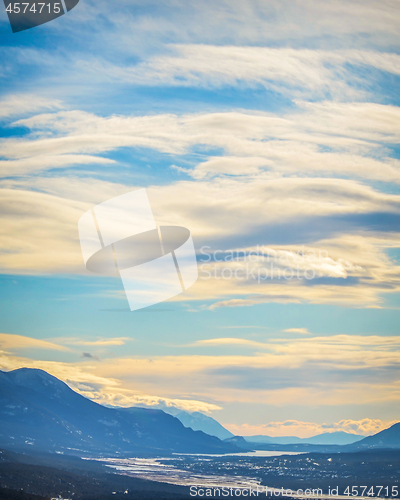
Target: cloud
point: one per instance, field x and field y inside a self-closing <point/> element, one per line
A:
<point x="95" y="343"/>
<point x="229" y="165"/>
<point x="128" y="398"/>
<point x="23" y="104"/>
<point x="328" y="138"/>
<point x="50" y="162"/>
<point x="11" y="343"/>
<point x="339" y="351"/>
<point x="295" y="72"/>
<point x="70" y="347"/>
<point x="251" y="21"/>
<point x="281" y="181"/>
<point x="144" y="31"/>
<point x="229" y="341"/>
<point x="366" y="426"/>
<point x="89" y="356"/>
<point x="39" y="231"/>
<point x="343" y="221"/>
<point x="317" y="371"/>
<point x="298" y="330"/>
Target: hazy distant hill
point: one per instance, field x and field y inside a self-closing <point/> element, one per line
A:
<point x="200" y="422"/>
<point x="331" y="438"/>
<point x="39" y="411"/>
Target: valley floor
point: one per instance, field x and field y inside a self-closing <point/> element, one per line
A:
<point x="368" y="474"/>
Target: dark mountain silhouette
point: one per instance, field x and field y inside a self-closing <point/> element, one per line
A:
<point x="38" y="411"/>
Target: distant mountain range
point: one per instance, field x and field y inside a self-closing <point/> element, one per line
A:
<point x="38" y="411"/>
<point x="386" y="439"/>
<point x="331" y="438"/>
<point x="200" y="422"/>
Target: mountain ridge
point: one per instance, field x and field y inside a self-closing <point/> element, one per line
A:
<point x="38" y="410"/>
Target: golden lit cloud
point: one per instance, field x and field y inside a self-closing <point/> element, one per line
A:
<point x="12" y="342"/>
<point x="94" y="343"/>
<point x="297" y="330"/>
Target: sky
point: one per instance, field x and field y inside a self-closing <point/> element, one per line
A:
<point x="271" y="130"/>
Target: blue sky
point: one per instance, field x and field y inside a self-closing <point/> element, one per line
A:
<point x="262" y="126"/>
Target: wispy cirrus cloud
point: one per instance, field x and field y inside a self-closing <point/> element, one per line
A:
<point x="329" y="138"/>
<point x="14" y="105"/>
<point x="251" y="21"/>
<point x="144" y="30"/>
<point x="12" y="343"/>
<point x="23" y="166"/>
<point x="296" y="72"/>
